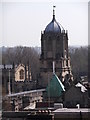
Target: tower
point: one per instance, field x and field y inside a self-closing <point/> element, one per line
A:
<point x="54" y="47"/>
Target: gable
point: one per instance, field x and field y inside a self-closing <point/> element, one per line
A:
<point x="20" y="73"/>
<point x="20" y="66"/>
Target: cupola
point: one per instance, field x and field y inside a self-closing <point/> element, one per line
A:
<point x="53" y="26"/>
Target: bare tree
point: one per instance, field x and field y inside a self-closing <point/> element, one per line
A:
<point x="25" y="55"/>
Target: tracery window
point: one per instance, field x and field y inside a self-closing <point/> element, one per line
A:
<point x="21" y="74"/>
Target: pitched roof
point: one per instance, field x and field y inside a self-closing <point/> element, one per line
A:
<point x="55" y="87"/>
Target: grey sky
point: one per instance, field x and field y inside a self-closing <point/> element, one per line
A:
<point x="22" y="22"/>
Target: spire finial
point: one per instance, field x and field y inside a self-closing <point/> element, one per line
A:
<point x="54" y="12"/>
<point x="53" y="67"/>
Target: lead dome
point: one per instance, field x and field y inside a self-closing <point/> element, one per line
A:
<point x="53" y="26"/>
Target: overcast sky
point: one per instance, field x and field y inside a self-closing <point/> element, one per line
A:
<point x="23" y="21"/>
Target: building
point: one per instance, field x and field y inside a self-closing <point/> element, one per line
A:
<point x="58" y="114"/>
<point x="54" y="47"/>
<point x="76" y="95"/>
<point x="16" y="78"/>
<point x="8" y="78"/>
<point x="23" y="79"/>
<point x="22" y="73"/>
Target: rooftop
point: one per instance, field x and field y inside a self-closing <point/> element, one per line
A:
<point x="55" y="87"/>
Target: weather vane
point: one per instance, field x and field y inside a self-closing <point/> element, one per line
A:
<point x="54" y="6"/>
<point x="54" y="11"/>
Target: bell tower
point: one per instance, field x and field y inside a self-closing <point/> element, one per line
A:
<point x="54" y="47"/>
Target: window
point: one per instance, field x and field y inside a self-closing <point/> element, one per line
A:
<point x="58" y="56"/>
<point x="50" y="65"/>
<point x="58" y="47"/>
<point x="21" y="74"/>
<point x="49" y="44"/>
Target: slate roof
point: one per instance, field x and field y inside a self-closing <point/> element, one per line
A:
<point x="55" y="87"/>
<point x="53" y="26"/>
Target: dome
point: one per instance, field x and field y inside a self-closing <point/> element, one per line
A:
<point x="53" y="26"/>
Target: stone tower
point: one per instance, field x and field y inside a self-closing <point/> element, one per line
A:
<point x="54" y="48"/>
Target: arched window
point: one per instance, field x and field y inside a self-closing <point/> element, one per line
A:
<point x="59" y="49"/>
<point x="21" y="74"/>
